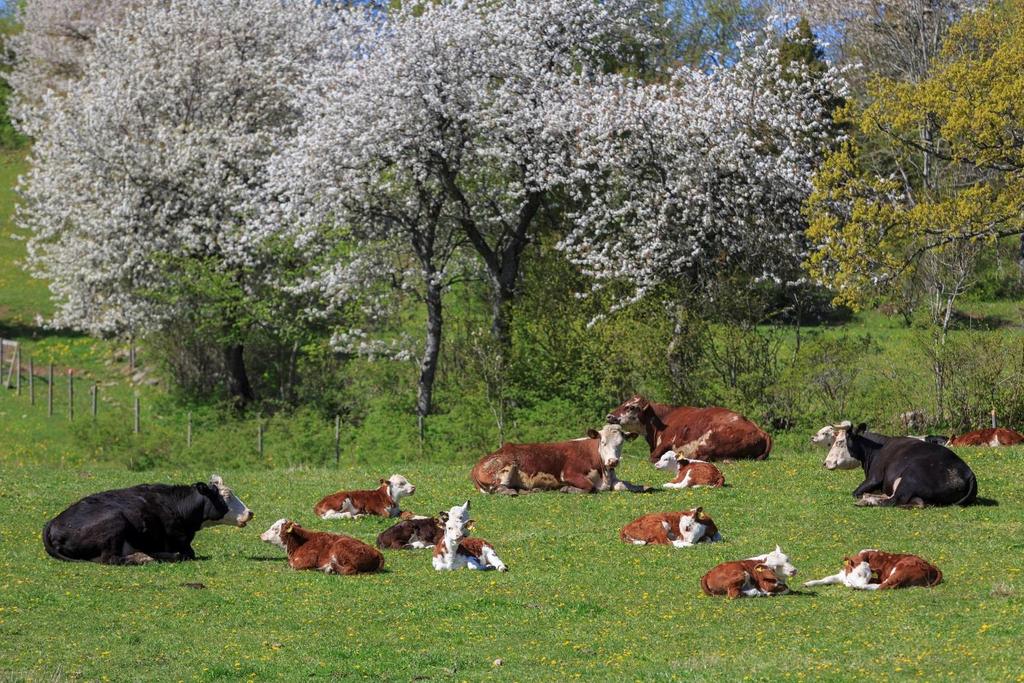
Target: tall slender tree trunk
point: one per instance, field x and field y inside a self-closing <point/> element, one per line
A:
<point x="239" y="387"/>
<point x="431" y="353"/>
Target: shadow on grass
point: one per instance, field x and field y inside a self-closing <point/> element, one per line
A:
<point x="19" y="330"/>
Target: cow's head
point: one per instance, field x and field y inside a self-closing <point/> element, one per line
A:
<point x="839" y="456"/>
<point x="276" y="533"/>
<point x="858" y="574"/>
<point x="630" y="414"/>
<point x="693" y="525"/>
<point x="611" y="438"/>
<point x="457" y="523"/>
<point x="398" y="487"/>
<point x="779" y="563"/>
<point x="767" y="580"/>
<point x="234" y="511"/>
<point x="670" y="461"/>
<point x="824" y="436"/>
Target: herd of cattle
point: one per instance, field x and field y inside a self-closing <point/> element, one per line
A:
<point x="157" y="522"/>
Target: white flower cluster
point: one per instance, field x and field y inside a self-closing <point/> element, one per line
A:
<point x="702" y="172"/>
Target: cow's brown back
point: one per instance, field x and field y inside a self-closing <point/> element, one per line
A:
<point x="535" y="466"/>
<point x="711" y="433"/>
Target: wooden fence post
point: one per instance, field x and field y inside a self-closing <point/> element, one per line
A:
<point x="993" y="417"/>
<point x="10" y="367"/>
<point x="49" y="391"/>
<point x="92" y="398"/>
<point x="259" y="438"/>
<point x="337" y="439"/>
<point x="31" y="382"/>
<point x="71" y="394"/>
<point x="17" y="371"/>
<point x="137" y="425"/>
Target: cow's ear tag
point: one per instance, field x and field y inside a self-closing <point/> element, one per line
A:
<point x="702" y="516"/>
<point x="759" y="568"/>
<point x="289" y="529"/>
<point x="471" y="524"/>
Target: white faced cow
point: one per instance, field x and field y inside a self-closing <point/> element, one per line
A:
<point x="902" y="471"/>
<point x="584" y="465"/>
<point x="142" y="523"/>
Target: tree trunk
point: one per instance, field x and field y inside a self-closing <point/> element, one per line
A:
<point x="238" y="379"/>
<point x="431" y="352"/>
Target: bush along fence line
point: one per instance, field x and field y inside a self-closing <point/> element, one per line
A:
<point x="19" y="377"/>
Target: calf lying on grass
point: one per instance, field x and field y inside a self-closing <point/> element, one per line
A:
<point x="416" y="532"/>
<point x="329" y="553"/>
<point x="689" y="473"/>
<point x="745" y="578"/>
<point x="660" y="528"/>
<point x="872" y="569"/>
<point x="382" y="501"/>
<point x="457" y="551"/>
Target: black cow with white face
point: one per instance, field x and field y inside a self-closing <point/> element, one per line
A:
<point x="142" y="523"/>
<point x="902" y="471"/>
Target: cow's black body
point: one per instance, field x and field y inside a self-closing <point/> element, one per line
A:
<point x="124" y="526"/>
<point x="427" y="531"/>
<point x="928" y="474"/>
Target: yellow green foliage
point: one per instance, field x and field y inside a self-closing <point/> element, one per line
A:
<point x="931" y="165"/>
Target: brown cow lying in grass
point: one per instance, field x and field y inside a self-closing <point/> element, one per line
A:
<point x="872" y="569"/>
<point x="329" y="553"/>
<point x="681" y="529"/>
<point x="584" y="465"/>
<point x="382" y="501"/>
<point x="993" y="436"/>
<point x="743" y="579"/>
<point x="709" y="433"/>
<point x="416" y="532"/>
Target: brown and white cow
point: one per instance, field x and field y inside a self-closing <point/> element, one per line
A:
<point x="872" y="569"/>
<point x="741" y="579"/>
<point x="997" y="436"/>
<point x="457" y="550"/>
<point x="584" y="465"/>
<point x="681" y="529"/>
<point x="382" y="501"/>
<point x="689" y="473"/>
<point x="329" y="553"/>
<point x="710" y="433"/>
<point x="415" y="532"/>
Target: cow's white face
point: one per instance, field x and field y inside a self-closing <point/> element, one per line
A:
<point x="274" y="534"/>
<point x="611" y="437"/>
<point x="839" y="457"/>
<point x="668" y="461"/>
<point x="456" y="523"/>
<point x="779" y="562"/>
<point x="238" y="514"/>
<point x="824" y="436"/>
<point x="858" y="576"/>
<point x="399" y="487"/>
<point x="691" y="529"/>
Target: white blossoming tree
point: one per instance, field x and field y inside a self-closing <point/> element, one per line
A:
<point x="141" y="194"/>
<point x="701" y="173"/>
<point x="441" y="145"/>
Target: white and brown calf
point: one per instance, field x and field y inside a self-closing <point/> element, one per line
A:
<point x="689" y="473"/>
<point x="872" y="569"/>
<point x="382" y="501"/>
<point x="457" y="551"/>
<point x="681" y="529"/>
<point x="742" y="579"/>
<point x="329" y="553"/>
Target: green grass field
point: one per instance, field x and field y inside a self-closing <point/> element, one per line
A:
<point x="577" y="602"/>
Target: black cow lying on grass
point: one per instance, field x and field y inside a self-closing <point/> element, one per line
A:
<point x="143" y="523"/>
<point x="902" y="471"/>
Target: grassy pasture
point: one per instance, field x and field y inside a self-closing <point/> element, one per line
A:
<point x="577" y="603"/>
